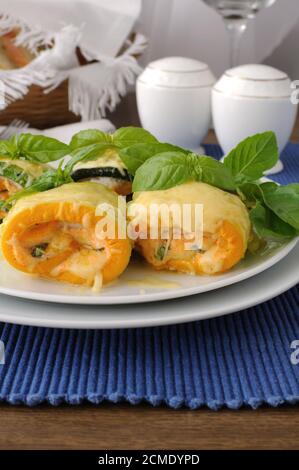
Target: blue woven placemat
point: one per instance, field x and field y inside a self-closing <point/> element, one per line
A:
<point x="236" y="360"/>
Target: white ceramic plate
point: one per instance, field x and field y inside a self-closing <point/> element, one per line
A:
<point x="139" y="284"/>
<point x="253" y="291"/>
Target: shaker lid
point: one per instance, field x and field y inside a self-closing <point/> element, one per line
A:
<point x="254" y="81"/>
<point x="177" y="72"/>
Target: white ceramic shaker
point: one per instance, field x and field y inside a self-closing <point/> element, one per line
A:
<point x="174" y="100"/>
<point x="250" y="99"/>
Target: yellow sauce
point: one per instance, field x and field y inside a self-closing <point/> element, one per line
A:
<point x="153" y="283"/>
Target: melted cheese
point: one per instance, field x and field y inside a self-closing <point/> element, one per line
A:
<point x="84" y="263"/>
<point x="109" y="159"/>
<point x="86" y="194"/>
<point x="33" y="169"/>
<point x="218" y="205"/>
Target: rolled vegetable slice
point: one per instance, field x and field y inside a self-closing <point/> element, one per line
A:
<point x="226" y="230"/>
<point x="108" y="169"/>
<point x="56" y="235"/>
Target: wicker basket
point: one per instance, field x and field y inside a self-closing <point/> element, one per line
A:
<point x="43" y="110"/>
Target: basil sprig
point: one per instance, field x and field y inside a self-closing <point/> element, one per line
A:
<point x="283" y="201"/>
<point x="170" y="169"/>
<point x="91" y="144"/>
<point x="273" y="209"/>
<point x="34" y="148"/>
<point x="133" y="145"/>
<point x="137" y="154"/>
<point x="269" y="226"/>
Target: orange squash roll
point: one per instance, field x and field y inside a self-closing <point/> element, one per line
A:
<point x="55" y="234"/>
<point x="225" y="230"/>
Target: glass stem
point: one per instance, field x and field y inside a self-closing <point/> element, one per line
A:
<point x="236" y="29"/>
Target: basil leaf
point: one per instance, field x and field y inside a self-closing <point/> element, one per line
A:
<point x="127" y="136"/>
<point x="7" y="148"/>
<point x="135" y="155"/>
<point x="210" y="171"/>
<point x="284" y="201"/>
<point x="89" y="137"/>
<point x="84" y="154"/>
<point x="40" y="149"/>
<point x="163" y="172"/>
<point x="252" y="157"/>
<point x="269" y="226"/>
<point x="169" y="169"/>
<point x="250" y="194"/>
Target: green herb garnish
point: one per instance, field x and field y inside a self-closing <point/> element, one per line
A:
<point x="90" y="144"/>
<point x="252" y="157"/>
<point x="170" y="169"/>
<point x="268" y="226"/>
<point x="49" y="180"/>
<point x="34" y="148"/>
<point x="39" y="250"/>
<point x="160" y="253"/>
<point x="14" y="173"/>
<point x="135" y="155"/>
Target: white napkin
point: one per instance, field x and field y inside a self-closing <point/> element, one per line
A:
<point x="100" y="28"/>
<point x="65" y="133"/>
<point x="105" y="23"/>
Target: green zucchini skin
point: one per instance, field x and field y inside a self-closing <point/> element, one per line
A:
<point x="105" y="172"/>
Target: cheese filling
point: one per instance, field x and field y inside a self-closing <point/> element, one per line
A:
<point x="85" y="256"/>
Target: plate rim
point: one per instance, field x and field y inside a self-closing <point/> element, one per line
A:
<point x="104" y="299"/>
<point x="235" y="305"/>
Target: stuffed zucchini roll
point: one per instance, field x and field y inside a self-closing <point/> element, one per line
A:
<point x="107" y="169"/>
<point x="17" y="174"/>
<point x="55" y="234"/>
<point x="226" y="230"/>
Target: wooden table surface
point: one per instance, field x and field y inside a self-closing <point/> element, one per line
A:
<point x="110" y="426"/>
